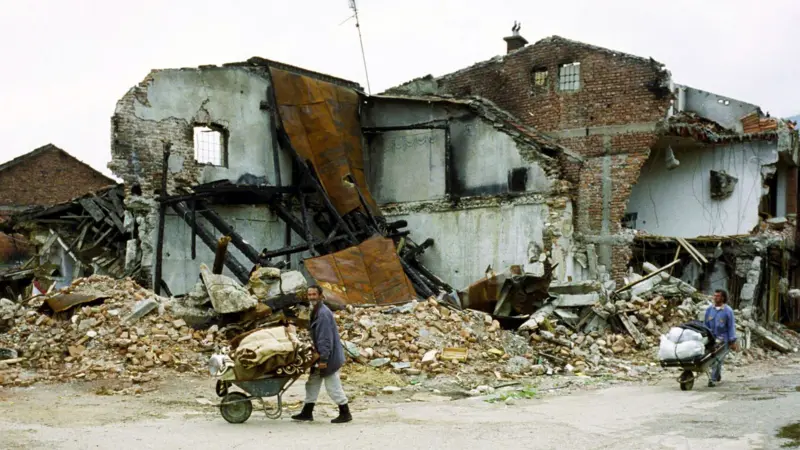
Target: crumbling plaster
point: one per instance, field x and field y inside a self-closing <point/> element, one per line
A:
<point x="677" y="202"/>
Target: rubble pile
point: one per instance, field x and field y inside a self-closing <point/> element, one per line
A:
<point x="431" y="338"/>
<point x="126" y="336"/>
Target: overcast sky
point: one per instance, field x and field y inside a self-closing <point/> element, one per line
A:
<point x="67" y="62"/>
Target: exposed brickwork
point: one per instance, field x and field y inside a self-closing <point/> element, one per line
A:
<point x="47" y="176"/>
<point x="137" y="145"/>
<point x="616" y="90"/>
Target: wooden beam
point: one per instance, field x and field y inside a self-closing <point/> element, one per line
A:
<point x="241" y="273"/>
<point x="162" y="210"/>
<point x="646" y="277"/>
<point x="223" y="227"/>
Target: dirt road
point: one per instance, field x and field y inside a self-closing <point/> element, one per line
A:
<point x="744" y="412"/>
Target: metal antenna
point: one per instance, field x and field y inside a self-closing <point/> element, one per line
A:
<point x="361" y="41"/>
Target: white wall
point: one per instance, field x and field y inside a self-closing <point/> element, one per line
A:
<point x="677" y="203"/>
<point x="467" y="241"/>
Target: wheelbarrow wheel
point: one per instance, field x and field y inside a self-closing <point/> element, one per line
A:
<point x="235" y="408"/>
<point x="687" y="380"/>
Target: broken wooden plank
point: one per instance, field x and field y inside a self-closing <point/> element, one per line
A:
<point x="632" y="330"/>
<point x="646" y="277"/>
<point x="692" y="251"/>
<point x="91" y="207"/>
<point x="117" y="202"/>
<point x="219" y="255"/>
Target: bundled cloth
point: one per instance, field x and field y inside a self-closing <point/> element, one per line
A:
<point x="274" y="351"/>
<point x="275" y="345"/>
<point x="686" y="342"/>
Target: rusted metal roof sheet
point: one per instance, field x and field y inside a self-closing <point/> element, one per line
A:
<point x="369" y="273"/>
<point x="63" y="302"/>
<point x="323" y="125"/>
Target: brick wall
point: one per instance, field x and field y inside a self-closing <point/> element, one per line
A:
<point x="616" y="90"/>
<point x="47" y="178"/>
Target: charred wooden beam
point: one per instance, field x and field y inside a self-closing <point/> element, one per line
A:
<point x="306" y="227"/>
<point x="433" y="125"/>
<point x="162" y="210"/>
<point x="194" y="229"/>
<point x="413" y="252"/>
<point x="165" y="287"/>
<point x="236" y="239"/>
<point x="207" y="237"/>
<point x="219" y="255"/>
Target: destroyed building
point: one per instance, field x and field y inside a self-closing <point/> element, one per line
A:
<point x="38" y="180"/>
<point x="661" y="161"/>
<point x="474" y="183"/>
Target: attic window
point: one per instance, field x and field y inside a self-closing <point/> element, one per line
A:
<point x="569" y="76"/>
<point x="211" y="145"/>
<point x="539" y="77"/>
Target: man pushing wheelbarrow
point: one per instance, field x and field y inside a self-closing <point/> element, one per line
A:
<point x="325" y="337"/>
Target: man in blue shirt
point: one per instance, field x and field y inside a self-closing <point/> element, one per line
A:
<point x="719" y="319"/>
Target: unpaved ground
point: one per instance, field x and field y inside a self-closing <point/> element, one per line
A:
<point x="742" y="413"/>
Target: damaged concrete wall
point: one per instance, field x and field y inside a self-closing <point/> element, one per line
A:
<point x="409" y="172"/>
<point x="169" y="103"/>
<point x="678" y="202"/>
<point x="725" y="111"/>
<point x="166" y="107"/>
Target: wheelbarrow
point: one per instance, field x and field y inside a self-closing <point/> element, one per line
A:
<point x="236" y="407"/>
<point x="699" y="365"/>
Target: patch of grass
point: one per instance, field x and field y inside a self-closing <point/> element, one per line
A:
<point x="526" y="393"/>
<point x="792" y="433"/>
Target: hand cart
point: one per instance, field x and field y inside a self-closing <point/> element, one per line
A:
<point x="701" y="364"/>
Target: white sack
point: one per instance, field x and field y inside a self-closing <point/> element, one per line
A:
<point x="678" y="335"/>
<point x="684" y="350"/>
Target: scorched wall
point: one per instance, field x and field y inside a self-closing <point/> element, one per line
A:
<point x="452" y="185"/>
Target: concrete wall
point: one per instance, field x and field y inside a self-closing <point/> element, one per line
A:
<point x="722" y="110"/>
<point x="467" y="241"/>
<point x="410" y="165"/>
<point x="408" y="176"/>
<point x="677" y="203"/>
<point x="169" y="103"/>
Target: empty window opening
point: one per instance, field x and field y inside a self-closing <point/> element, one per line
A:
<point x="569" y="76"/>
<point x="539" y="77"/>
<point x="210" y="145"/>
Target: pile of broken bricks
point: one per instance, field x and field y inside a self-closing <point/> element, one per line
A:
<point x="127" y="336"/>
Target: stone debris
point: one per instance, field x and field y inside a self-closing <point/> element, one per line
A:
<point x="117" y="339"/>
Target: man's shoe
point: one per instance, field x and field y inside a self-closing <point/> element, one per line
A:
<point x="344" y="414"/>
<point x="306" y="415"/>
<point x="711" y="383"/>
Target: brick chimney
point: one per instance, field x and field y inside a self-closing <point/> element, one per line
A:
<point x="515" y="41"/>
